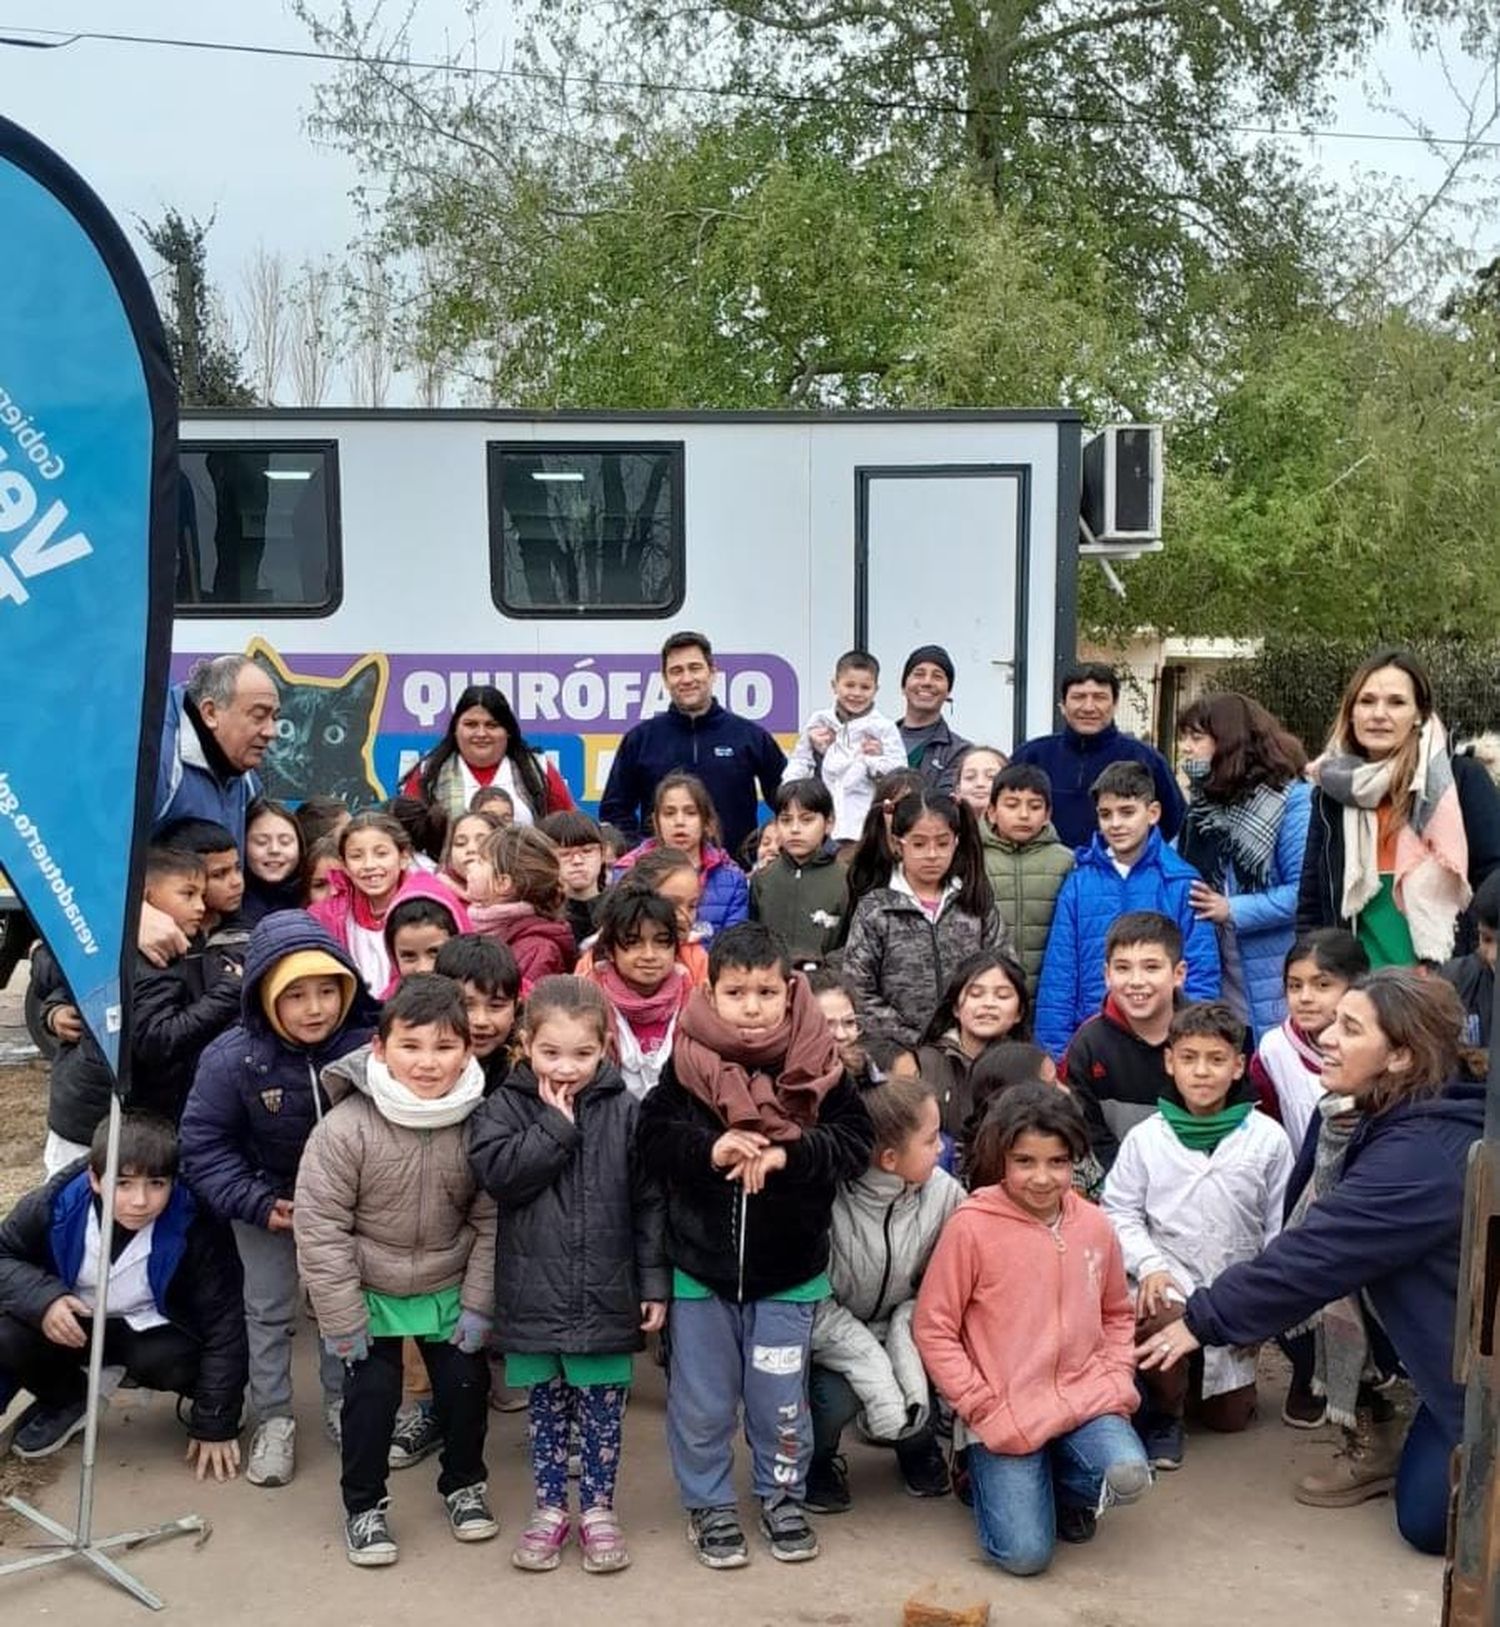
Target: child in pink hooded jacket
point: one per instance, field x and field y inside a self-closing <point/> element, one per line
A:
<point x="377" y="874"/>
<point x="1026" y="1326"/>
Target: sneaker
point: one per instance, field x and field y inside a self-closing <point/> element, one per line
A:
<point x="784" y="1525"/>
<point x="333" y="1422"/>
<point x="41" y="1431"/>
<point x="1076" y="1524"/>
<point x="1164" y="1444"/>
<point x="717" y="1538"/>
<point x="469" y="1516"/>
<point x="924" y="1470"/>
<point x="602" y="1541"/>
<point x="1302" y="1409"/>
<point x="273" y="1455"/>
<point x="827" y="1485"/>
<point x="367" y="1535"/>
<point x="1126" y="1480"/>
<point x="415" y="1437"/>
<point x="542" y="1542"/>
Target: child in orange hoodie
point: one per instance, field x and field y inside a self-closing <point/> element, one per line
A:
<point x="1026" y="1326"/>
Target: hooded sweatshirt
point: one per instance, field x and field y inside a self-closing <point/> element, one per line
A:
<point x="389" y="1208"/>
<point x="337" y="912"/>
<point x="1028" y="1335"/>
<point x="256" y="1096"/>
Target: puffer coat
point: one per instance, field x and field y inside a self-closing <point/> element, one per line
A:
<point x="899" y="959"/>
<point x="385" y="1207"/>
<point x="1026" y="880"/>
<point x="884" y="1232"/>
<point x="255" y="1096"/>
<point x="581" y="1224"/>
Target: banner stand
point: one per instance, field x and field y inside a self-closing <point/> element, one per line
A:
<point x="81" y="1543"/>
<point x="88" y="445"/>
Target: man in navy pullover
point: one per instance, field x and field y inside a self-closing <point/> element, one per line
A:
<point x="695" y="735"/>
<point x="1085" y="746"/>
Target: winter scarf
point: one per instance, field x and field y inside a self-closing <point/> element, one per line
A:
<point x="1242" y="833"/>
<point x="398" y="1105"/>
<point x="774" y="1086"/>
<point x="456" y="784"/>
<point x="1202" y="1132"/>
<point x="651" y="1013"/>
<point x="1341" y="1339"/>
<point x="1432" y="850"/>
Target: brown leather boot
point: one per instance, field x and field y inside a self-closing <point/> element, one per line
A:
<point x="1363" y="1467"/>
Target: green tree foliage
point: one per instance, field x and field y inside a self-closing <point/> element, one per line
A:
<point x="938" y="203"/>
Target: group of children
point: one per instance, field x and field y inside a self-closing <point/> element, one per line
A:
<point x="506" y="1103"/>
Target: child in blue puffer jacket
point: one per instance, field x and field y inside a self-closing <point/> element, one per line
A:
<point x="254" y="1102"/>
<point x="683" y="817"/>
<point x="1126" y="868"/>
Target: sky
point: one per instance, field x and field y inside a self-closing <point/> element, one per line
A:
<point x="223" y="135"/>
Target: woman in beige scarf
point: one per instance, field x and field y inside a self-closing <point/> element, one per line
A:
<point x="1401" y="832"/>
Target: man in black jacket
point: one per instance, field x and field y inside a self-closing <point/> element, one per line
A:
<point x="175" y="1310"/>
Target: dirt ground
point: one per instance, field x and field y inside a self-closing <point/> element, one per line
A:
<point x="1221" y="1540"/>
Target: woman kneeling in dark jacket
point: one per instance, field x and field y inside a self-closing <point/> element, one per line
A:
<point x="1389" y="1229"/>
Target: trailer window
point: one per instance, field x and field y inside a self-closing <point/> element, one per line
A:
<point x="258" y="528"/>
<point x="594" y="529"/>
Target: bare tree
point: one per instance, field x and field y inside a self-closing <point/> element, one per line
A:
<point x="315" y="336"/>
<point x="263" y="308"/>
<point x="370" y="302"/>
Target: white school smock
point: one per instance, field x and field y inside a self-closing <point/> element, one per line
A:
<point x="1298" y="1088"/>
<point x="130" y="1293"/>
<point x="1194" y="1213"/>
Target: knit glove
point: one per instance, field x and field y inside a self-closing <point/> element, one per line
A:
<point x="470" y="1332"/>
<point x="347" y="1347"/>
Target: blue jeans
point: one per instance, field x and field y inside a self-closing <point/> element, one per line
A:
<point x="1422" y="1485"/>
<point x="1016" y="1498"/>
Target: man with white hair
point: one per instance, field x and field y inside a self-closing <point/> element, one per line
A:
<point x="217" y="728"/>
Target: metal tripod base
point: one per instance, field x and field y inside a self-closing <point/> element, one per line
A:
<point x="66" y="1545"/>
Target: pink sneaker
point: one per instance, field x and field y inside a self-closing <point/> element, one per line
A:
<point x="602" y="1541"/>
<point x="543" y="1540"/>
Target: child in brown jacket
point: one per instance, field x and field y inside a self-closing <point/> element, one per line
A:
<point x="396" y="1240"/>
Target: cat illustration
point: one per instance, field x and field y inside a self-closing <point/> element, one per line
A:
<point x="325" y="731"/>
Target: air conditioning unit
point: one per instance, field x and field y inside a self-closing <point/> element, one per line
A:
<point x="1122" y="482"/>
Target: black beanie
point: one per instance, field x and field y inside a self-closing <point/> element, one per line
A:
<point x="928" y="652"/>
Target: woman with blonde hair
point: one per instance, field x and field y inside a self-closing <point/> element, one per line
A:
<point x="1401" y="831"/>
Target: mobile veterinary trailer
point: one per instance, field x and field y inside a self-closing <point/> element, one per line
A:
<point x="377" y="562"/>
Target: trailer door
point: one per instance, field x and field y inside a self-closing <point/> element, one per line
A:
<point x="941" y="558"/>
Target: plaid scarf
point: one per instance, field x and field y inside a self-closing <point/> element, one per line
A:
<point x="1242" y="833"/>
<point x="1341" y="1339"/>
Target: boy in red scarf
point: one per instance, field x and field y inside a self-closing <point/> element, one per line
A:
<point x="751" y="1130"/>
